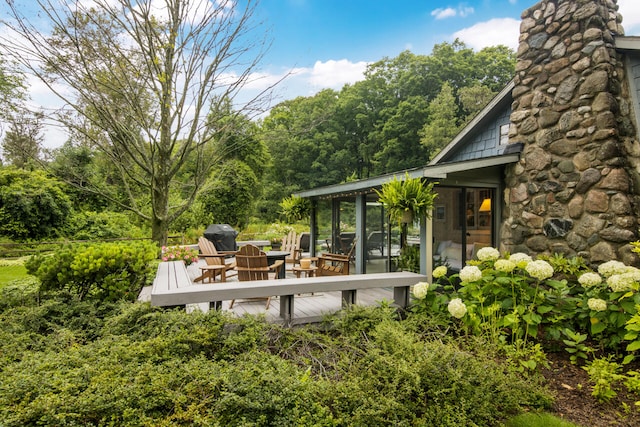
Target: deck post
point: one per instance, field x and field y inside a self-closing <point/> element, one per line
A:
<point x="349" y="297"/>
<point x="401" y="296"/>
<point x="286" y="308"/>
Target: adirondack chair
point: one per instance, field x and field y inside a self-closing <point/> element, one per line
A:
<point x="291" y="244"/>
<point x="330" y="264"/>
<point x="251" y="264"/>
<point x="212" y="257"/>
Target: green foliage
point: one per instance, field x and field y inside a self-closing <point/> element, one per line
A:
<point x="88" y="225"/>
<point x="231" y="195"/>
<point x="443" y="123"/>
<point x="32" y="205"/>
<point x="576" y="345"/>
<point x="409" y="195"/>
<point x="72" y="362"/>
<point x="106" y="271"/>
<point x="409" y="259"/>
<point x="295" y="208"/>
<point x="534" y="419"/>
<point x="604" y="374"/>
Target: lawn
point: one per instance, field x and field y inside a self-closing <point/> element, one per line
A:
<point x="11" y="270"/>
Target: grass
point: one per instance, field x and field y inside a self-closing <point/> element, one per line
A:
<point x="11" y="270"/>
<point x="538" y="420"/>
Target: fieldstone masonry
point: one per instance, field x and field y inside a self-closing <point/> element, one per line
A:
<point x="575" y="189"/>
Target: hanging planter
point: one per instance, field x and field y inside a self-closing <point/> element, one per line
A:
<point x="407" y="217"/>
<point x="295" y="208"/>
<point x="408" y="198"/>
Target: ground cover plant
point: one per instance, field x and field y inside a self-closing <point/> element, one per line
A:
<point x="72" y="362"/>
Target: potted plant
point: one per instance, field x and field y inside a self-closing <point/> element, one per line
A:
<point x="406" y="199"/>
<point x="295" y="208"/>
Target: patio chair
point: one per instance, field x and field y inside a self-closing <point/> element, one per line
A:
<point x="291" y="244"/>
<point x="330" y="264"/>
<point x="251" y="264"/>
<point x="211" y="256"/>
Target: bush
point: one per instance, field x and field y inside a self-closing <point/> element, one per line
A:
<point x="32" y="205"/>
<point x="106" y="271"/>
<point x="71" y="362"/>
<point x="89" y="225"/>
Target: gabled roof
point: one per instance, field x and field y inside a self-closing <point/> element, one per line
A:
<point x="499" y="102"/>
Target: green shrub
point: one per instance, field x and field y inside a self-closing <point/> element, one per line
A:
<point x="32" y="205"/>
<point x="107" y="271"/>
<point x="87" y="225"/>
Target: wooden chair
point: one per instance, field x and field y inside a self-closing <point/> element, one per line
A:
<point x="291" y="244"/>
<point x="212" y="257"/>
<point x="251" y="264"/>
<point x="335" y="264"/>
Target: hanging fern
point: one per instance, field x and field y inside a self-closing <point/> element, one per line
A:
<point x="295" y="208"/>
<point x="408" y="195"/>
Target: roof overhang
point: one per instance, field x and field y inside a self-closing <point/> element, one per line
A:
<point x="433" y="172"/>
<point x="627" y="43"/>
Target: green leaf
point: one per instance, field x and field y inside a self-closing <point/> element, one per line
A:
<point x="633" y="346"/>
<point x="597" y="328"/>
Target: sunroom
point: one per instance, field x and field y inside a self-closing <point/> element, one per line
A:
<point x="469" y="180"/>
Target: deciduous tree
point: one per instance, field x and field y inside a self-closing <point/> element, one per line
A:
<point x="140" y="79"/>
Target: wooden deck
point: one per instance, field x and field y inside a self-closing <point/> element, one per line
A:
<point x="308" y="308"/>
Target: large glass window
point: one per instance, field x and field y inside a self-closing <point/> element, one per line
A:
<point x="462" y="223"/>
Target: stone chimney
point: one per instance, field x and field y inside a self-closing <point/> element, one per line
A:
<point x="574" y="190"/>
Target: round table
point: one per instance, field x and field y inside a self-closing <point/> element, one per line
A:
<point x="309" y="272"/>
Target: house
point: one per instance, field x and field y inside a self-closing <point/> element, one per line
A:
<point x="550" y="165"/>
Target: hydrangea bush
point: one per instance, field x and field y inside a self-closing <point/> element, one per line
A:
<point x="514" y="300"/>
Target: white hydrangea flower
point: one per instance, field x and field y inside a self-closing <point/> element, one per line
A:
<point x="504" y="265"/>
<point x="539" y="269"/>
<point x="488" y="254"/>
<point x="520" y="259"/>
<point x="420" y="290"/>
<point x="589" y="280"/>
<point x="470" y="273"/>
<point x="440" y="271"/>
<point x="597" y="304"/>
<point x="621" y="282"/>
<point x="457" y="308"/>
<point x="633" y="272"/>
<point x="610" y="268"/>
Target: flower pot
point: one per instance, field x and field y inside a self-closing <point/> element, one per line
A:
<point x="407" y="217"/>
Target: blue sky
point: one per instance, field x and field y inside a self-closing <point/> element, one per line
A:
<point x="330" y="42"/>
<point x="322" y="44"/>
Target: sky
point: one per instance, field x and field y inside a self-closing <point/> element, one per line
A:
<point x="328" y="43"/>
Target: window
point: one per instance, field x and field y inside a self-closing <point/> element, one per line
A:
<point x="504" y="134"/>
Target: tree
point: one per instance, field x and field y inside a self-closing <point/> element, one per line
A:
<point x="442" y="125"/>
<point x="143" y="82"/>
<point x="32" y="205"/>
<point x="23" y="141"/>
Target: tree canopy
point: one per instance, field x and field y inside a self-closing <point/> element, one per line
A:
<point x="143" y="85"/>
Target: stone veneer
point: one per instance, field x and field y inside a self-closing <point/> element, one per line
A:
<point x="574" y="190"/>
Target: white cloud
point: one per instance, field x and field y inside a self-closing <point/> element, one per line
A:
<point x="505" y="31"/>
<point x="335" y="74"/>
<point x="444" y="13"/>
<point x="630" y="16"/>
<point x="450" y="12"/>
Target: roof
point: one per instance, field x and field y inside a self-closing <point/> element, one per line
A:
<point x="433" y="172"/>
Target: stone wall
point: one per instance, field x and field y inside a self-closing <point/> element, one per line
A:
<point x="574" y="190"/>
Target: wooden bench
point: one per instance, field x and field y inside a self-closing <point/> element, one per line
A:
<point x="286" y="289"/>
